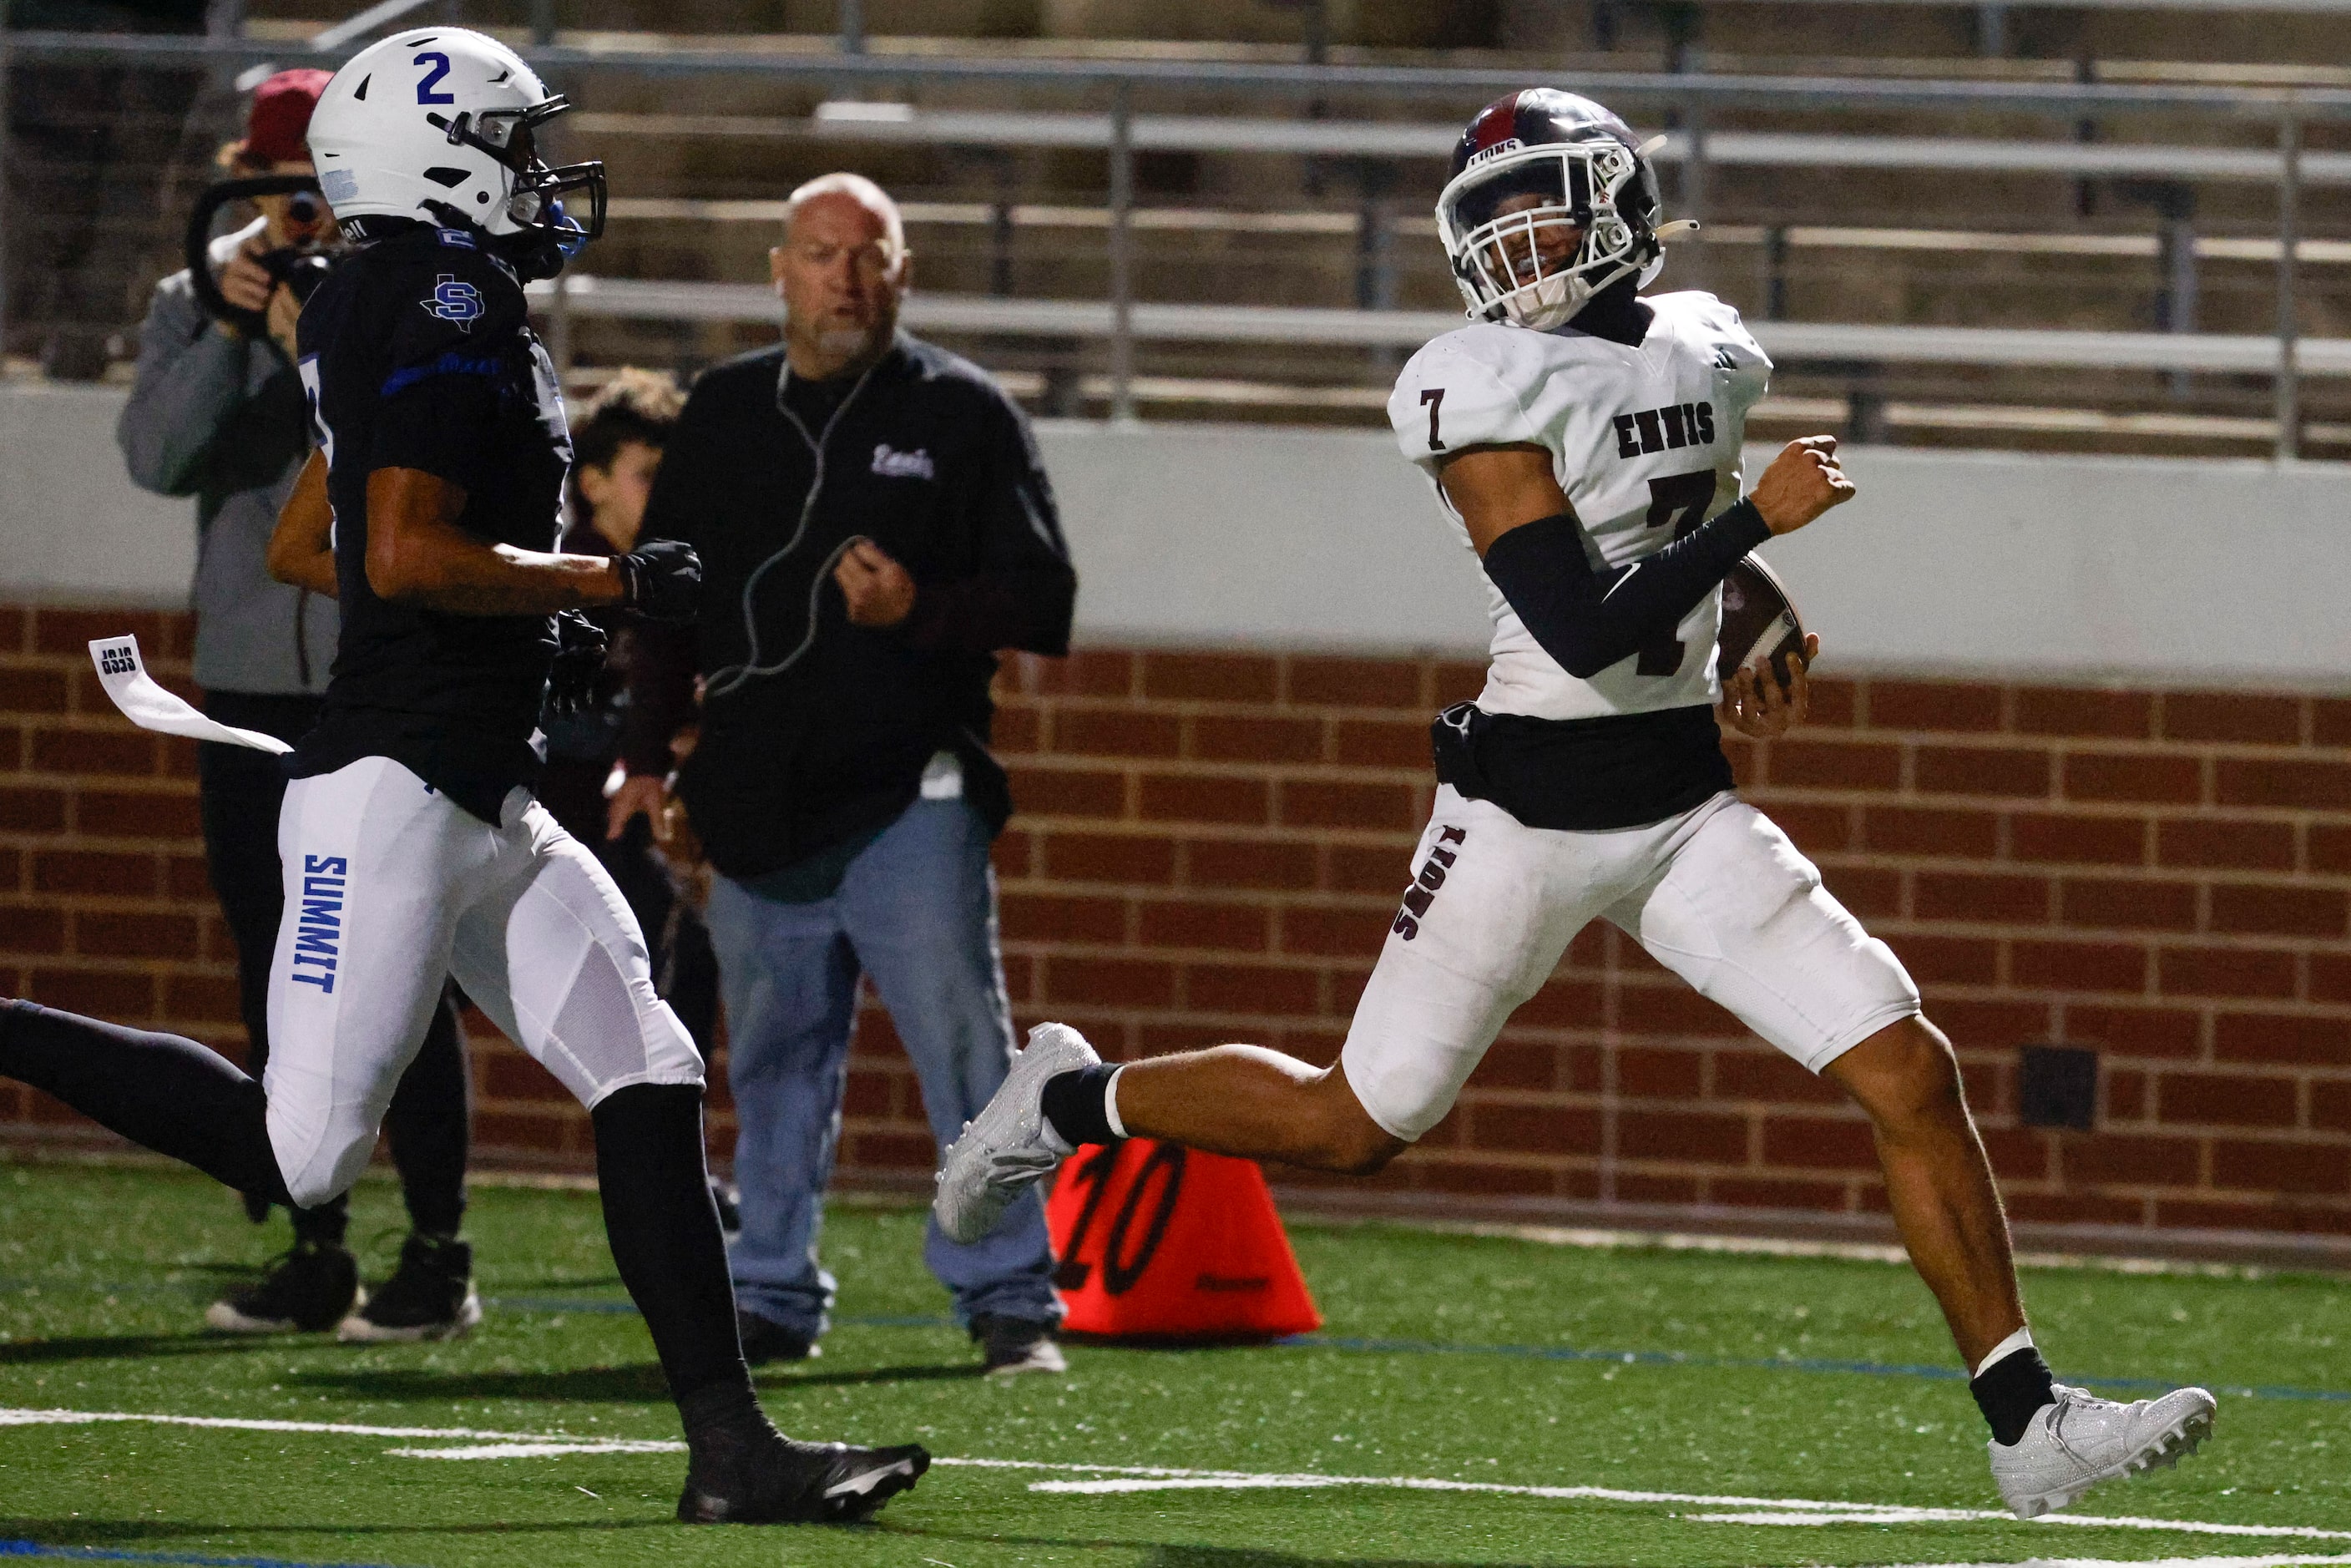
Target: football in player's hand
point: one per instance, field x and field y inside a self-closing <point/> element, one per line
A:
<point x="1758" y="623"/>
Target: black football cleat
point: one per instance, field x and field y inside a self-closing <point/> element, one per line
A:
<point x="312" y="1287"/>
<point x="741" y="1470"/>
<point x="430" y="1296"/>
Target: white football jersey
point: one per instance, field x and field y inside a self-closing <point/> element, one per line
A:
<point x="1644" y="440"/>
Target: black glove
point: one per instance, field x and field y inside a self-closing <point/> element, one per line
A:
<point x="572" y="682"/>
<point x="660" y="580"/>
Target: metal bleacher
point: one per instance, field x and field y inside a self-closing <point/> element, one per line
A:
<point x="1859" y="350"/>
<point x="1944" y="248"/>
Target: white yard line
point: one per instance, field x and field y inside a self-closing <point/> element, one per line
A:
<point x="2144" y="1562"/>
<point x="9" y="1417"/>
<point x="1106" y="1479"/>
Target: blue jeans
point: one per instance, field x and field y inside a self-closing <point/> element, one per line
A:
<point x="916" y="910"/>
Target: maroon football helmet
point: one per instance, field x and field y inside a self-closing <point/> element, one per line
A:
<point x="1551" y="200"/>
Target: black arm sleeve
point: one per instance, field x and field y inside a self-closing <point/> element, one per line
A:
<point x="1587" y="619"/>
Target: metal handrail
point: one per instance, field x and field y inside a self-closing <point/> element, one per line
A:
<point x="654" y="299"/>
<point x="1295" y="81"/>
<point x="1400" y="140"/>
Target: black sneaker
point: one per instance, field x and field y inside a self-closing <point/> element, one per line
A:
<point x="766" y="1340"/>
<point x="307" y="1289"/>
<point x="743" y="1471"/>
<point x="430" y="1296"/>
<point x="1010" y="1346"/>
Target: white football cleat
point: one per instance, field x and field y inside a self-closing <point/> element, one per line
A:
<point x="2081" y="1440"/>
<point x="1009" y="1145"/>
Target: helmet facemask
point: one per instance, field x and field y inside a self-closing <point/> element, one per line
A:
<point x="534" y="194"/>
<point x="1533" y="233"/>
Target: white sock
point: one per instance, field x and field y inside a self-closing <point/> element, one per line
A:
<point x="2021" y="1340"/>
<point x="1110" y="1102"/>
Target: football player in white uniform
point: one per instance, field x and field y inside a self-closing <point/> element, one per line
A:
<point x="1584" y="443"/>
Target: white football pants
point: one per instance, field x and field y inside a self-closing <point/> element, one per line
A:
<point x="390" y="888"/>
<point x="1718" y="895"/>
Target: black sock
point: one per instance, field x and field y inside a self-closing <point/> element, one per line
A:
<point x="664" y="1229"/>
<point x="430" y="1126"/>
<point x="1078" y="1103"/>
<point x="724" y="1426"/>
<point x="2010" y="1390"/>
<point x="324" y="1226"/>
<point x="161" y="1092"/>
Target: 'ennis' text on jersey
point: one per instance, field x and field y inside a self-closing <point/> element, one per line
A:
<point x="1644" y="442"/>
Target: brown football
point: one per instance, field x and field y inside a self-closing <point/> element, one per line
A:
<point x="1758" y="623"/>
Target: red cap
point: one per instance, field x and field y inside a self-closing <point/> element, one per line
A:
<point x="280" y="116"/>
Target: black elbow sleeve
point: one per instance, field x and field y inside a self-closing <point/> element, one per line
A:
<point x="1589" y="619"/>
<point x="1542" y="570"/>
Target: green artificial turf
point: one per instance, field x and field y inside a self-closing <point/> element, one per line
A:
<point x="1445" y="1357"/>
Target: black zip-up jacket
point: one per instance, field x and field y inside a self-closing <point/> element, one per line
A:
<point x="813" y="730"/>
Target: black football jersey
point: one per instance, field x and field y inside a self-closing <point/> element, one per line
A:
<point x="416" y="352"/>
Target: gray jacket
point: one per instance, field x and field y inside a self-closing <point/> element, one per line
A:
<point x="224" y="419"/>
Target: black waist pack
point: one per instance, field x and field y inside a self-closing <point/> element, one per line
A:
<point x="1583" y="774"/>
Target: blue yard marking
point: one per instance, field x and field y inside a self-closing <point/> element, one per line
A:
<point x="109" y="1554"/>
<point x="1370" y="1347"/>
<point x="1758" y="1363"/>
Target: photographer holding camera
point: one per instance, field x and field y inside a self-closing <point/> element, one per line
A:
<point x="217" y="411"/>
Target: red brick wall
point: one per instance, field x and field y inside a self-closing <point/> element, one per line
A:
<point x="1211" y="845"/>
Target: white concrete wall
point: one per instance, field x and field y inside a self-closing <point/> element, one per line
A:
<point x="2038" y="567"/>
<point x="73" y="528"/>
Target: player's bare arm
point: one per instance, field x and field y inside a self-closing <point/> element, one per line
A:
<point x="302" y="546"/>
<point x="417" y="554"/>
<point x="1499" y="488"/>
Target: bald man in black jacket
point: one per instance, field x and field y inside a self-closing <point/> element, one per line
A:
<point x="874" y="524"/>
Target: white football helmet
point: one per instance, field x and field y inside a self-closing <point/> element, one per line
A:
<point x="437" y="124"/>
<point x="1551" y="202"/>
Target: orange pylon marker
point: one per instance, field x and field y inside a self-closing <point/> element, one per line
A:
<point x="1158" y="1242"/>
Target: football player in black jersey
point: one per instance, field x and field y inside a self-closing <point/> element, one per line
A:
<point x="413" y="847"/>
